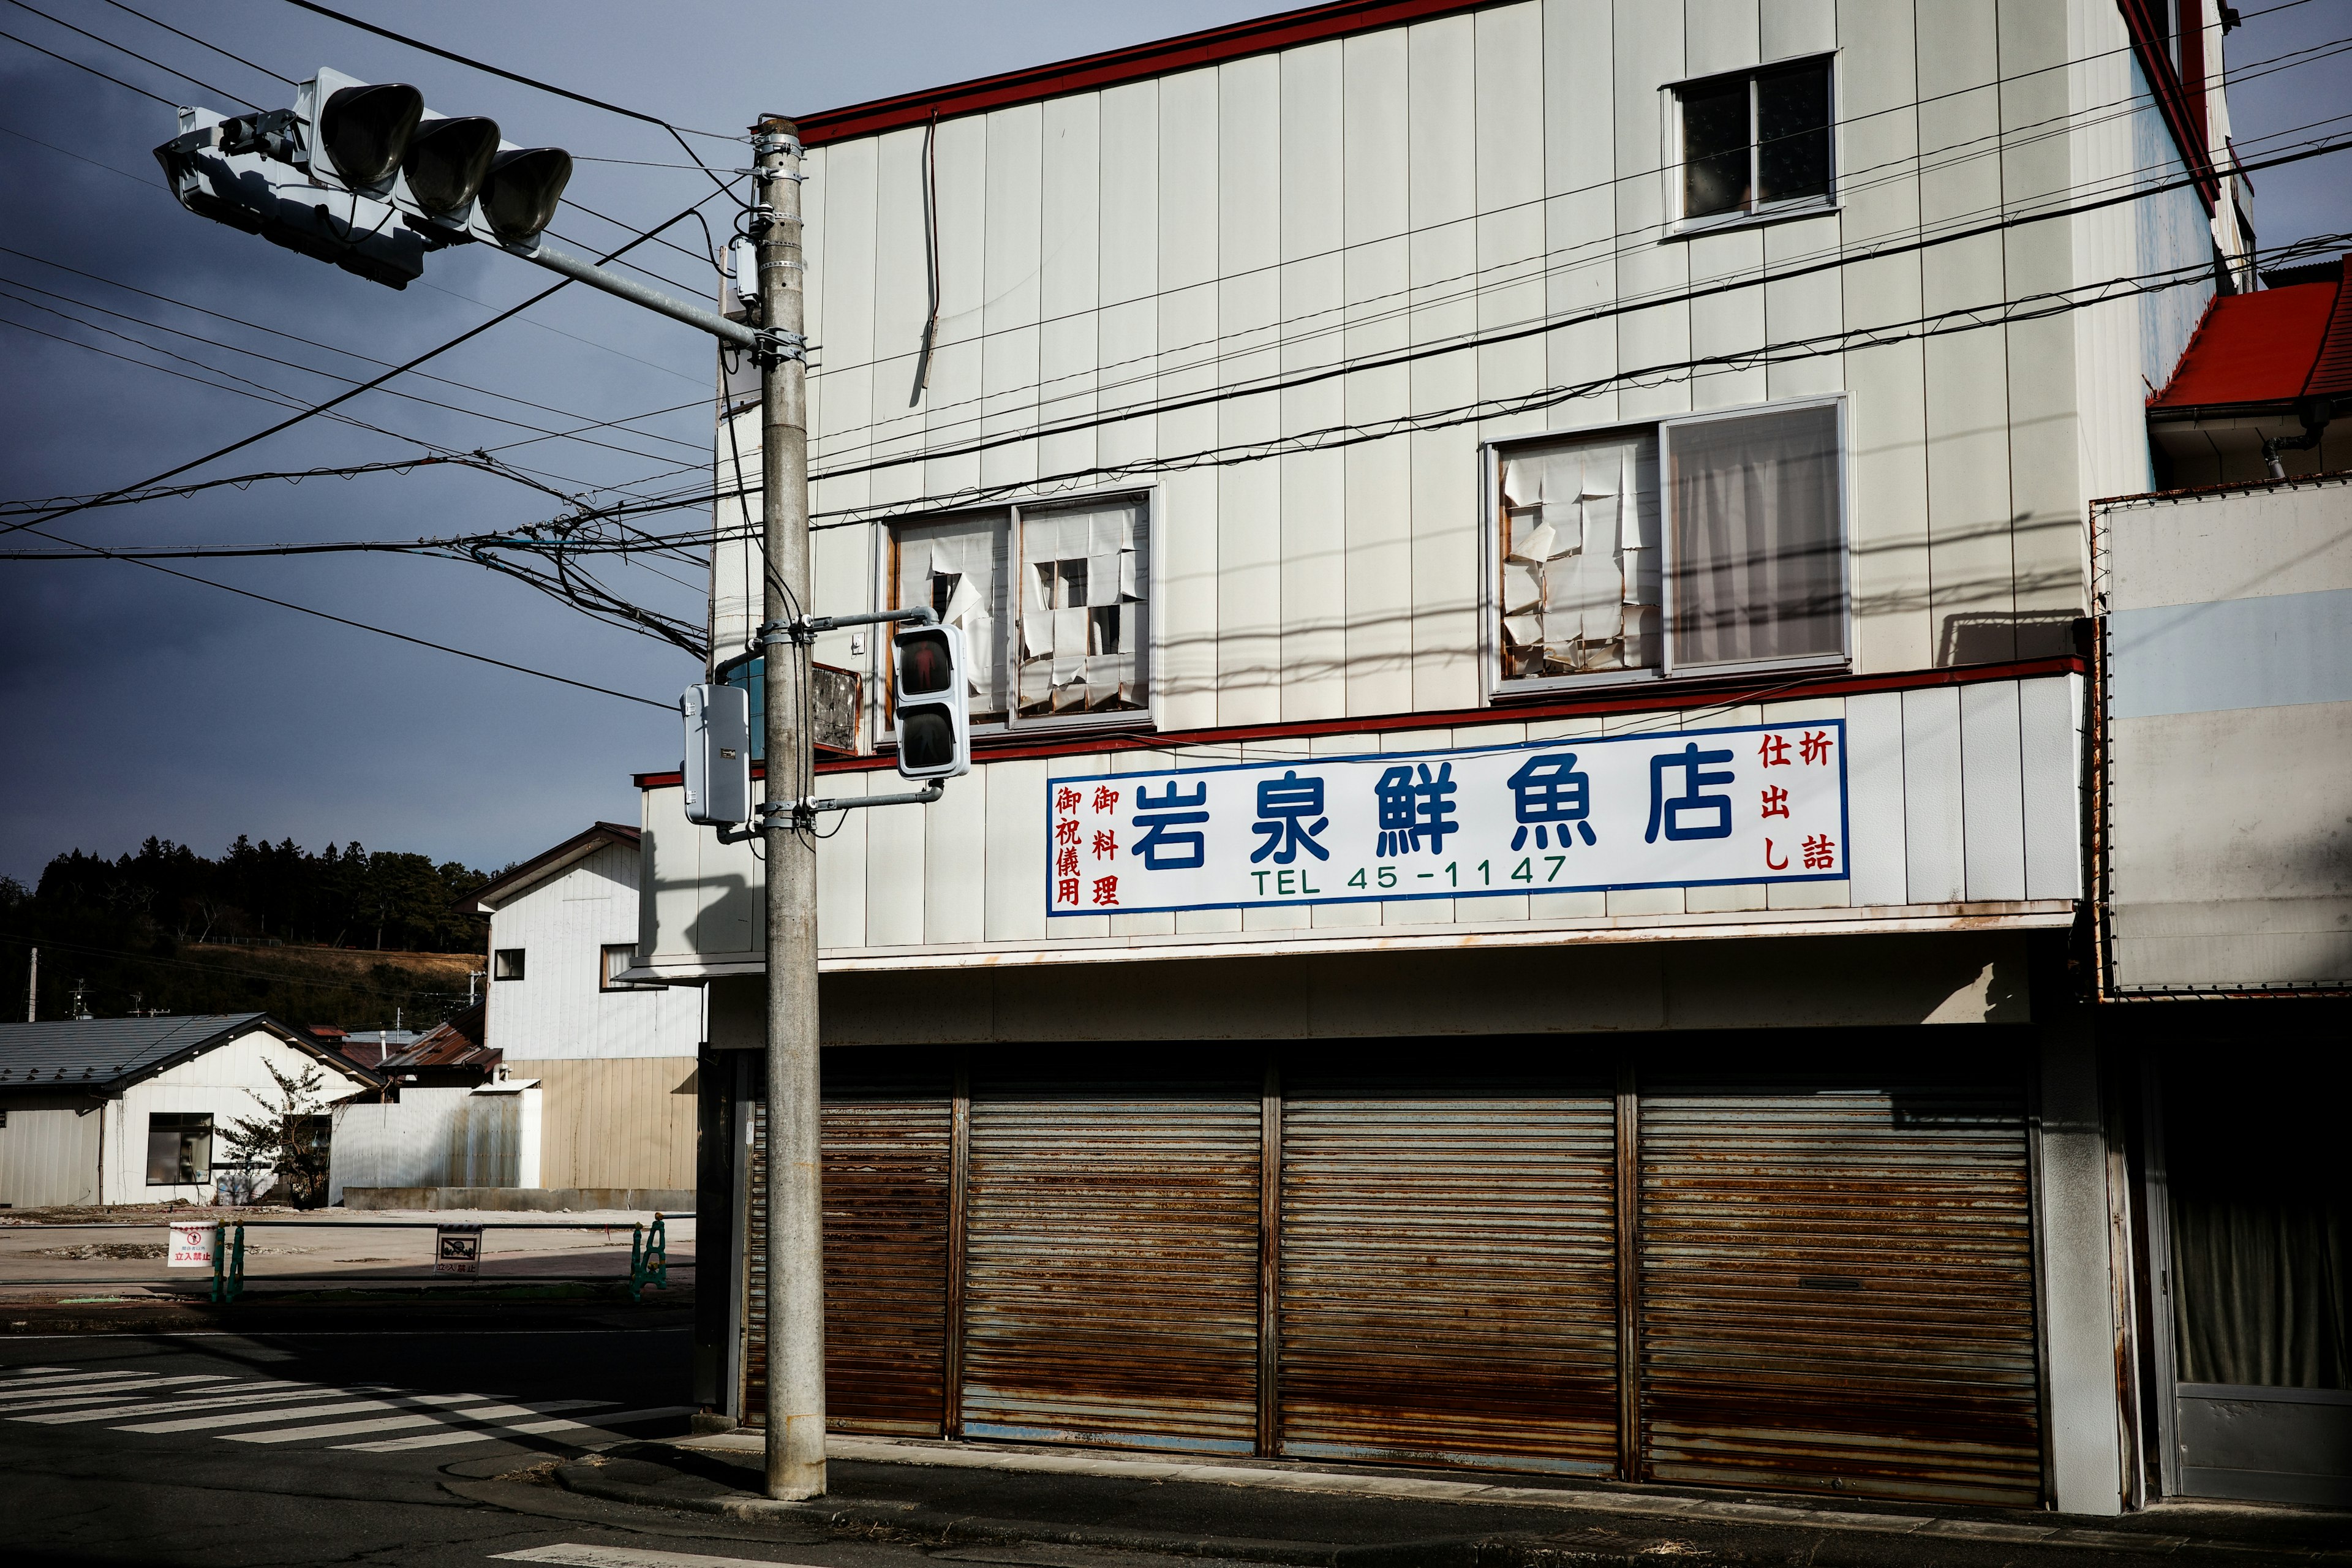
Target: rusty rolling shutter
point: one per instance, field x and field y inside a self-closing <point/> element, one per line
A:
<point x="1836" y="1280"/>
<point x="1111" y="1263"/>
<point x="888" y="1190"/>
<point x="1448" y="1267"/>
<point x="753" y="1410"/>
<point x="888" y="1183"/>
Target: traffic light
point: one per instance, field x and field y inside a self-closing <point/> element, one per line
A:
<point x="927" y="665"/>
<point x="718" y="754"/>
<point x="364" y="176"/>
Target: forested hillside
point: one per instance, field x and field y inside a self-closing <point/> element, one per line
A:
<point x="336" y="937"/>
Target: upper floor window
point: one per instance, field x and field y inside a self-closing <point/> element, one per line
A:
<point x="1699" y="543"/>
<point x="1755" y="142"/>
<point x="1054" y="603"/>
<point x="506" y="963"/>
<point x="618" y="959"/>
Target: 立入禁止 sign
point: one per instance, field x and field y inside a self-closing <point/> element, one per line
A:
<point x="1670" y="808"/>
<point x="458" y="1250"/>
<point x="192" y="1244"/>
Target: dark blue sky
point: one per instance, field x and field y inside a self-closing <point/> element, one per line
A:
<point x="133" y="704"/>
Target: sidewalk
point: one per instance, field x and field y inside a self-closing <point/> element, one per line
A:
<point x="1034" y="1505"/>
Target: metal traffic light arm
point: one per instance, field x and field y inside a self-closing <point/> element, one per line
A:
<point x="556" y="258"/>
<point x="804" y="812"/>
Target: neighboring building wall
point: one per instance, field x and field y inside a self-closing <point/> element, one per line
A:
<point x="48" y="1152"/>
<point x="439" y="1137"/>
<point x="618" y="1123"/>
<point x="610" y="1063"/>
<point x="232" y="1082"/>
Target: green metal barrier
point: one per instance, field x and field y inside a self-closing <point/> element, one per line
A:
<point x="228" y="1267"/>
<point x="648" y="1258"/>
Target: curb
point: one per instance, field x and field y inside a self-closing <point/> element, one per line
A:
<point x="1487" y="1552"/>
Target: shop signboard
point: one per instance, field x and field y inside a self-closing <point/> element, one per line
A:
<point x="1665" y="808"/>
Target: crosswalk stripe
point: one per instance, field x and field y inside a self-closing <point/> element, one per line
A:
<point x="29" y="1371"/>
<point x="62" y="1387"/>
<point x="129" y="1399"/>
<point x="114" y="1398"/>
<point x="341" y="1407"/>
<point x="55" y="1374"/>
<point x="507" y="1429"/>
<point x="472" y="1412"/>
<point x="157" y="1407"/>
<point x="252" y="1393"/>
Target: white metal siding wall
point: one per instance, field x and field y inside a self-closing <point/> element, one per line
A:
<point x="1154" y="239"/>
<point x="48" y="1152"/>
<point x="558" y="1009"/>
<point x="231" y="1082"/>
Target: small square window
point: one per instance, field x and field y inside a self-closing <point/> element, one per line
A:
<point x="506" y="963"/>
<point x="1755" y="142"/>
<point x="179" y="1148"/>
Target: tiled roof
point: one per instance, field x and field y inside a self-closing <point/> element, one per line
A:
<point x="91" y="1052"/>
<point x="457" y="1043"/>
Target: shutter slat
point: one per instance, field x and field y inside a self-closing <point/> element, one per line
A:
<point x="1448" y="1281"/>
<point x="1111" y="1264"/>
<point x="1836" y="1286"/>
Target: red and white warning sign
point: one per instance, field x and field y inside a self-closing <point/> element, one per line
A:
<point x="191" y="1244"/>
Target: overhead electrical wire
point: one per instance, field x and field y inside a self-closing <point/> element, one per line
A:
<point x="1650" y="172"/>
<point x="1872" y="251"/>
<point x="201" y="43"/>
<point x="342" y="397"/>
<point x="93" y="70"/>
<point x="135" y="53"/>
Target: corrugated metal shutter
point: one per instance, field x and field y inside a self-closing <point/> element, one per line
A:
<point x="1448" y="1267"/>
<point x="888" y="1186"/>
<point x="1111" y="1263"/>
<point x="1836" y="1288"/>
<point x="888" y="1192"/>
<point x="753" y="1410"/>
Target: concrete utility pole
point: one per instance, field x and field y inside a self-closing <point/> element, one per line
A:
<point x="33" y="991"/>
<point x="795" y="1199"/>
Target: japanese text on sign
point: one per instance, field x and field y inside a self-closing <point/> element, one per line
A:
<point x="1675" y="808"/>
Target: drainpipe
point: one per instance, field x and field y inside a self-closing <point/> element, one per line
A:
<point x="2315" y="415"/>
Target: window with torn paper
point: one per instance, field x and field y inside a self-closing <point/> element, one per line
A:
<point x="1580" y="591"/>
<point x="1052" y="601"/>
<point x="1084" y="596"/>
<point x="1707" y="542"/>
<point x="957" y="567"/>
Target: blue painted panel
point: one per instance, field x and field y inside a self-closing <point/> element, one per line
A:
<point x="2278" y="651"/>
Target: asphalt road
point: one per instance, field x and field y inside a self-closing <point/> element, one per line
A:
<point x="153" y="1451"/>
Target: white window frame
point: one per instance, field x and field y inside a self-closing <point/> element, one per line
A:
<point x="1493" y="688"/>
<point x="1679" y="225"/>
<point x="886" y="538"/>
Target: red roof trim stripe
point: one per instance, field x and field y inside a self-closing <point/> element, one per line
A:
<point x="1622" y="702"/>
<point x="1094" y="72"/>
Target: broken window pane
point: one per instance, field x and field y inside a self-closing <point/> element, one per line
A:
<point x="957" y="567"/>
<point x="1579" y="546"/>
<point x="1084" y="597"/>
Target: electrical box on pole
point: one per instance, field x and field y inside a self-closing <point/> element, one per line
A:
<point x="718" y="754"/>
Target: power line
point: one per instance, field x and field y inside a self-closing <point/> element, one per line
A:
<point x="309" y="342"/>
<point x="215" y="48"/>
<point x="501" y="71"/>
<point x="342" y="397"/>
<point x="93" y="70"/>
<point x="1551" y="324"/>
<point x="135" y="53"/>
<point x="342" y="621"/>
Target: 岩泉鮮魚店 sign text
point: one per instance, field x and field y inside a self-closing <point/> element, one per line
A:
<point x="1663" y="809"/>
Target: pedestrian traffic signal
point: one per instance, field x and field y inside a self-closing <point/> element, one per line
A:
<point x="929" y="701"/>
<point x="718" y="754"/>
<point x="364" y="176"/>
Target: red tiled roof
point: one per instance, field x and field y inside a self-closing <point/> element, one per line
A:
<point x="2271" y="347"/>
<point x="457" y="1043"/>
